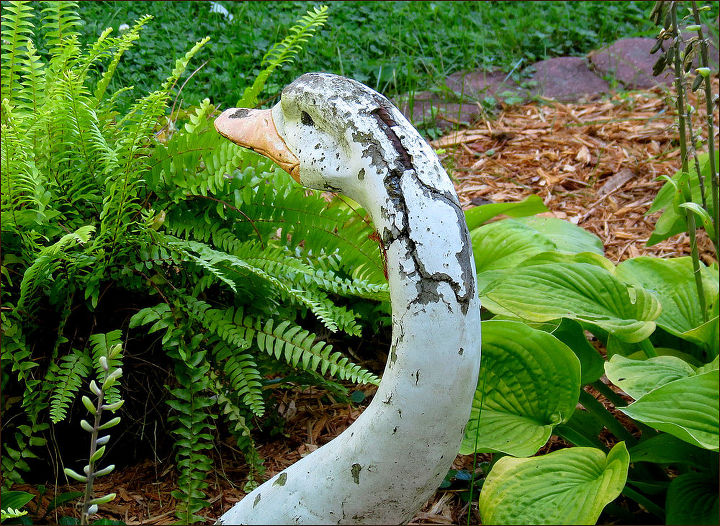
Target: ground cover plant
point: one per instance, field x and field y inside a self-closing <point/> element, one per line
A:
<point x="394" y="47"/>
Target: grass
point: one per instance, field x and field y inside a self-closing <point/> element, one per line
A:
<point x="395" y="47"/>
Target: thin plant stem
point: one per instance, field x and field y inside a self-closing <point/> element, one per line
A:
<point x="649" y="505"/>
<point x="648" y="348"/>
<point x="693" y="142"/>
<point x="685" y="184"/>
<point x="477" y="433"/>
<point x="616" y="399"/>
<point x="714" y="183"/>
<point x="590" y="403"/>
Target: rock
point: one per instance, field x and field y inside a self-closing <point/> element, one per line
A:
<point x="478" y="85"/>
<point x="425" y="107"/>
<point x="629" y="61"/>
<point x="566" y="79"/>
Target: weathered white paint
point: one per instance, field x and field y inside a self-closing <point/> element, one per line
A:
<point x="382" y="468"/>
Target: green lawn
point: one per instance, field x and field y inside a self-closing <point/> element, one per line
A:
<point x="394" y="47"/>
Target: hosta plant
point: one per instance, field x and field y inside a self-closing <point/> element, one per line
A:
<point x="538" y="364"/>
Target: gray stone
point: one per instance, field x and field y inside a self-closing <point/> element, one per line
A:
<point x="566" y="79"/>
<point x="427" y="108"/>
<point x="478" y="85"/>
<point x="629" y="61"/>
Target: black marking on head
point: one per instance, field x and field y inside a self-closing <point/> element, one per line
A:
<point x="306" y="119"/>
<point x="386" y="123"/>
<point x="240" y="113"/>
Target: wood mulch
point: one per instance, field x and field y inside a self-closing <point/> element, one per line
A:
<point x="595" y="164"/>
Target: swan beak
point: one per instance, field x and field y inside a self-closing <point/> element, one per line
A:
<point x="255" y="129"/>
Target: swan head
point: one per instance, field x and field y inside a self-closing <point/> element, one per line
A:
<point x="328" y="132"/>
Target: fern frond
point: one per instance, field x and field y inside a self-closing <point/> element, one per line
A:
<point x="46" y="262"/>
<point x="33" y="84"/>
<point x="241" y="376"/>
<point x="193" y="432"/>
<point x="283" y="52"/>
<point x="60" y="21"/>
<point x="124" y="43"/>
<point x="66" y="378"/>
<point x="17" y="31"/>
<point x="298" y="346"/>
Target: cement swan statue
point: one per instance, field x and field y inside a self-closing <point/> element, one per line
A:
<point x="333" y="133"/>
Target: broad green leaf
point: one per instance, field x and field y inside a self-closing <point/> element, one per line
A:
<point x="15" y="499"/>
<point x="569" y="486"/>
<point x="707" y="333"/>
<point x="639" y="377"/>
<point x="672" y="222"/>
<point x="505" y="244"/>
<point x="673" y="283"/>
<point x="668" y="449"/>
<point x="580" y="291"/>
<point x="566" y="236"/>
<point x="703" y="215"/>
<point x="530" y="382"/>
<point x="687" y="408"/>
<point x="692" y="498"/>
<point x="555" y="256"/>
<point x="531" y="205"/>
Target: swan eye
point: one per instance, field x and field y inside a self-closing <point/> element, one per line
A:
<point x="306" y="119"/>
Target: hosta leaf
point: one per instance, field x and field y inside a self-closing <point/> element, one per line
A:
<point x="687" y="408"/>
<point x="505" y="244"/>
<point x="580" y="291"/>
<point x="476" y="216"/>
<point x="639" y="377"/>
<point x="566" y="236"/>
<point x="692" y="498"/>
<point x="673" y="283"/>
<point x="530" y="382"/>
<point x="668" y="449"/>
<point x="672" y="222"/>
<point x="569" y="486"/>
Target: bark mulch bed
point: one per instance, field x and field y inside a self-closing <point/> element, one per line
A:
<point x="594" y="164"/>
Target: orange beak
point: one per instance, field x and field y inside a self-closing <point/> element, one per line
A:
<point x="255" y="129"/>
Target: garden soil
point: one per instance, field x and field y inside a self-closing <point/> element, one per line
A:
<point x="595" y="164"/>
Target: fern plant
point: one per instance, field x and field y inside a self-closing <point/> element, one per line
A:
<point x="236" y="262"/>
